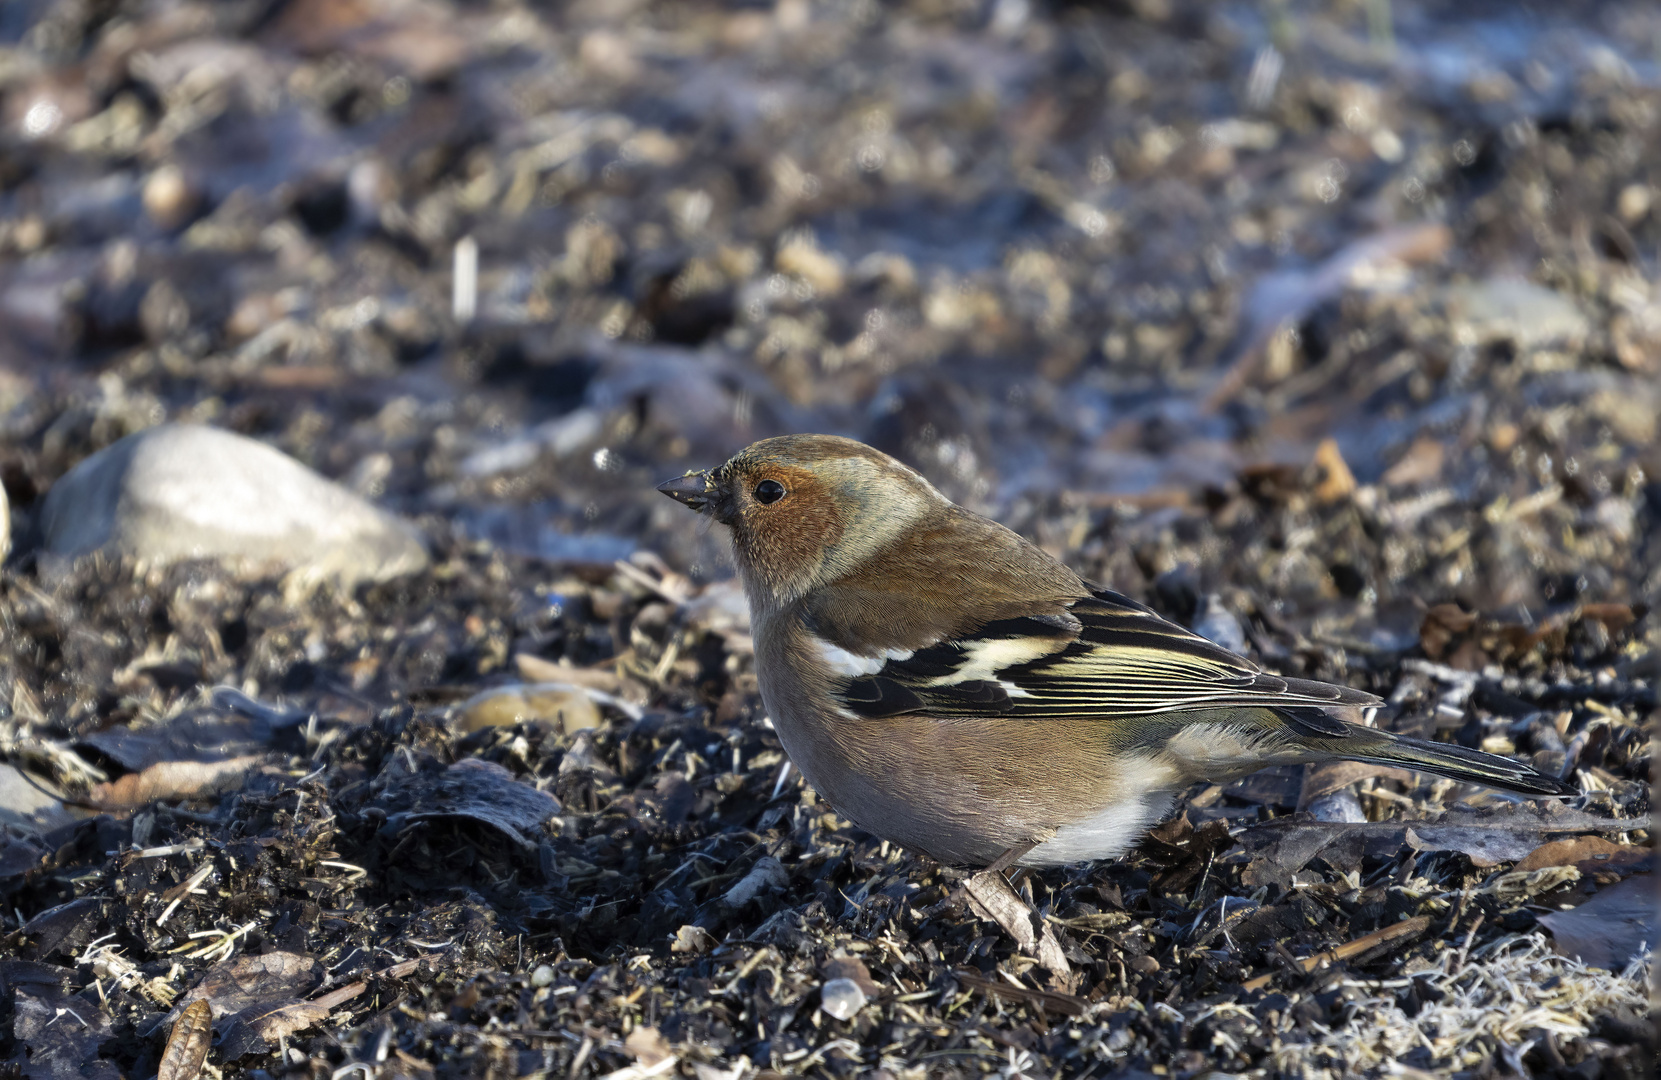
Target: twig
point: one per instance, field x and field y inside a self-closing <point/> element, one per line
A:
<point x="1353" y="948"/>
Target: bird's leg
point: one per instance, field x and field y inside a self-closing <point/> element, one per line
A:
<point x="1009" y="858"/>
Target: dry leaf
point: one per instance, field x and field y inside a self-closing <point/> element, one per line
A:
<point x="1051" y="1000"/>
<point x="1573" y="851"/>
<point x="1442" y="624"/>
<point x="1483" y="845"/>
<point x="853" y="969"/>
<point x="993" y="900"/>
<point x="245" y="981"/>
<point x="767" y="875"/>
<point x="64" y="928"/>
<point x="1330" y="776"/>
<point x="482" y="791"/>
<point x="564" y="707"/>
<point x="281" y="1021"/>
<point x="1608" y="930"/>
<point x="1614" y="617"/>
<point x="187" y="1046"/>
<point x="1281" y="847"/>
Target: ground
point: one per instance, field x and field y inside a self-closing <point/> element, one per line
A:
<point x="1330" y="329"/>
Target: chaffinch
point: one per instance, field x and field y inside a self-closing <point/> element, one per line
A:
<point x="947" y="685"/>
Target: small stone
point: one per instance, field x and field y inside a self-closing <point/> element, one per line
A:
<point x="1634" y="202"/>
<point x="170" y="199"/>
<point x="543" y="975"/>
<point x="693" y="939"/>
<point x="841" y="998"/>
<point x="1341" y="806"/>
<point x="1143" y="965"/>
<point x="181" y="491"/>
<point x="802" y="258"/>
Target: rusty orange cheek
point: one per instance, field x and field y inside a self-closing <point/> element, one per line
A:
<point x="790" y="536"/>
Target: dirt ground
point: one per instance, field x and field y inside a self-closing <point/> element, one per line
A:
<point x="1332" y="329"/>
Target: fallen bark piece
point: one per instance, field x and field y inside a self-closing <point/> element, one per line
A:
<point x="477" y="790"/>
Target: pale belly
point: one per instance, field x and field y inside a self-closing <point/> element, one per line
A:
<point x="965" y="792"/>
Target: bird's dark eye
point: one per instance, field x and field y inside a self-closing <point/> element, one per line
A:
<point x="769" y="491"/>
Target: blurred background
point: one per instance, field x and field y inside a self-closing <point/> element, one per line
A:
<point x="1344" y="301"/>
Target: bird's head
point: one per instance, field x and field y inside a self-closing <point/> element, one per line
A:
<point x="807" y="509"/>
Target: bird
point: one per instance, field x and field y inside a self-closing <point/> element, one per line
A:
<point x="947" y="685"/>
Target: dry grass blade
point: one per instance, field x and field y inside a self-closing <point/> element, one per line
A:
<point x="187" y="1046"/>
<point x="1049" y="1000"/>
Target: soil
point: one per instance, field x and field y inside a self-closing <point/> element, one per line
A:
<point x="1332" y="329"/>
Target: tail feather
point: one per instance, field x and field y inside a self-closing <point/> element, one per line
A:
<point x="1443" y="759"/>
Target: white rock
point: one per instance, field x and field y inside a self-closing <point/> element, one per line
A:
<point x="1342" y="806"/>
<point x="841" y="998"/>
<point x="1511" y="308"/>
<point x="187" y="492"/>
<point x="1217" y="624"/>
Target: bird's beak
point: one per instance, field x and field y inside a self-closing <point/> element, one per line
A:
<point x="694" y="489"/>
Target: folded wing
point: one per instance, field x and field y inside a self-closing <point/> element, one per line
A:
<point x="1108" y="657"/>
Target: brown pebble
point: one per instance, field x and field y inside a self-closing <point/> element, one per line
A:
<point x="1337" y="482"/>
<point x="1144" y="965"/>
<point x="565" y="707"/>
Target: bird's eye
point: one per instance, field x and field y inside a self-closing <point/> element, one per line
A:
<point x="769" y="491"/>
